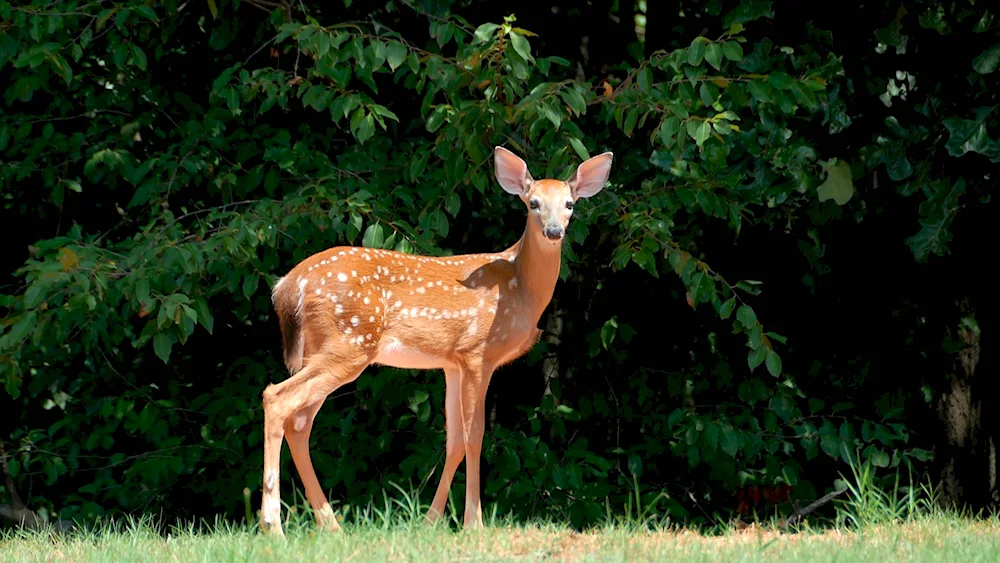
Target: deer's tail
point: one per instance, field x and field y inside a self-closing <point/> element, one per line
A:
<point x="287" y="300"/>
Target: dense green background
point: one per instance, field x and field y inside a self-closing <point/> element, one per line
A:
<point x="791" y="266"/>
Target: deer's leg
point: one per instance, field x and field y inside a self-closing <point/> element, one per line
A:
<point x="475" y="381"/>
<point x="455" y="446"/>
<point x="283" y="403"/>
<point x="297" y="430"/>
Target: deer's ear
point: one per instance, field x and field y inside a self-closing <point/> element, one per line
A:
<point x="591" y="176"/>
<point x="511" y="172"/>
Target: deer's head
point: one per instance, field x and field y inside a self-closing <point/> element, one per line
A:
<point x="550" y="202"/>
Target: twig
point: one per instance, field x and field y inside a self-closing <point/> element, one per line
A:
<point x="798" y="514"/>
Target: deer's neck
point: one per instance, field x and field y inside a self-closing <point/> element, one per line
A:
<point x="537" y="267"/>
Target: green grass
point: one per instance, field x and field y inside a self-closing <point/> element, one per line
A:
<point x="928" y="539"/>
<point x="872" y="524"/>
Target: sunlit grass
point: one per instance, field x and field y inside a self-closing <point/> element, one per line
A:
<point x="901" y="524"/>
<point x="925" y="539"/>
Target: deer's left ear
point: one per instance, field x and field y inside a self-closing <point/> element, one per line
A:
<point x="591" y="176"/>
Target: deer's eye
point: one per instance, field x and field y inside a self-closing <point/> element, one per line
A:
<point x="569" y="205"/>
<point x="533" y="204"/>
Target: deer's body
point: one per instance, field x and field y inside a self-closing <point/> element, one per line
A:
<point x="345" y="308"/>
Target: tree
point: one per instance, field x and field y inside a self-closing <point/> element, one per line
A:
<point x="167" y="161"/>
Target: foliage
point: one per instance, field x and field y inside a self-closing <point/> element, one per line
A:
<point x="187" y="154"/>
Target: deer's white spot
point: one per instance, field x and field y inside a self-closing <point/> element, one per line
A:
<point x="338" y="309"/>
<point x="300" y="422"/>
<point x="342" y="277"/>
<point x="366" y="301"/>
<point x="355" y="320"/>
<point x="421" y="290"/>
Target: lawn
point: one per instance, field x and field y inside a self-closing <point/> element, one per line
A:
<point x="933" y="538"/>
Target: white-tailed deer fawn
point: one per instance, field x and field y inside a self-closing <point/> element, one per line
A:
<point x="346" y="308"/>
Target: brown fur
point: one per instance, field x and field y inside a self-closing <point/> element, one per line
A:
<point x="286" y="298"/>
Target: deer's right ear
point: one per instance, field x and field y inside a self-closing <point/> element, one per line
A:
<point x="512" y="172"/>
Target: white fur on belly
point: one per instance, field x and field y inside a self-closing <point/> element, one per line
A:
<point x="395" y="354"/>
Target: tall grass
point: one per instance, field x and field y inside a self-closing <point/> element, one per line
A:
<point x="872" y="523"/>
<point x="869" y="504"/>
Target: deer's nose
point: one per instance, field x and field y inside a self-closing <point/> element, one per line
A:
<point x="553" y="232"/>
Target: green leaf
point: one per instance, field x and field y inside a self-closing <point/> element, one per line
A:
<point x="645" y="79"/>
<point x="366" y="129"/>
<point x="232" y="98"/>
<point x="759" y="90"/>
<point x="484" y="32"/>
<point x="756" y="357"/>
<point x="452" y="204"/>
<point x="696" y="52"/>
<point x="838" y="185"/>
<point x="581" y="150"/>
<point x="162" y="343"/>
<point x="880" y="458"/>
<point x="204" y="314"/>
<point x="746" y="316"/>
<point x="630" y="120"/>
<point x="436" y="119"/>
<point x="383" y="111"/>
<point x="373" y="237"/>
<point x="773" y="362"/>
<point x="138" y="57"/>
<point x="396" y="54"/>
<point x="713" y="55"/>
<point x="733" y="51"/>
<point x="830" y="442"/>
<point x="987" y="61"/>
<point x="780" y="80"/>
<point x="729" y="442"/>
<point x="550" y="114"/>
<point x="146" y="12"/>
<point x="669" y="129"/>
<point x="899" y="167"/>
<point x="703" y="132"/>
<point x="356" y="220"/>
<point x="574" y="100"/>
<point x="965" y="135"/>
<point x="520" y="45"/>
<point x="727" y="308"/>
<point x="867" y="431"/>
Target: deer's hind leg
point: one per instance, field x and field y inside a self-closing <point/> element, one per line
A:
<point x="289" y="410"/>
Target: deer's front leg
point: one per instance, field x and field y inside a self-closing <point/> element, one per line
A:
<point x="474" y="385"/>
<point x="455" y="446"/>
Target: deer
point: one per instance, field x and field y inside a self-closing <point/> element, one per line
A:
<point x="348" y="307"/>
